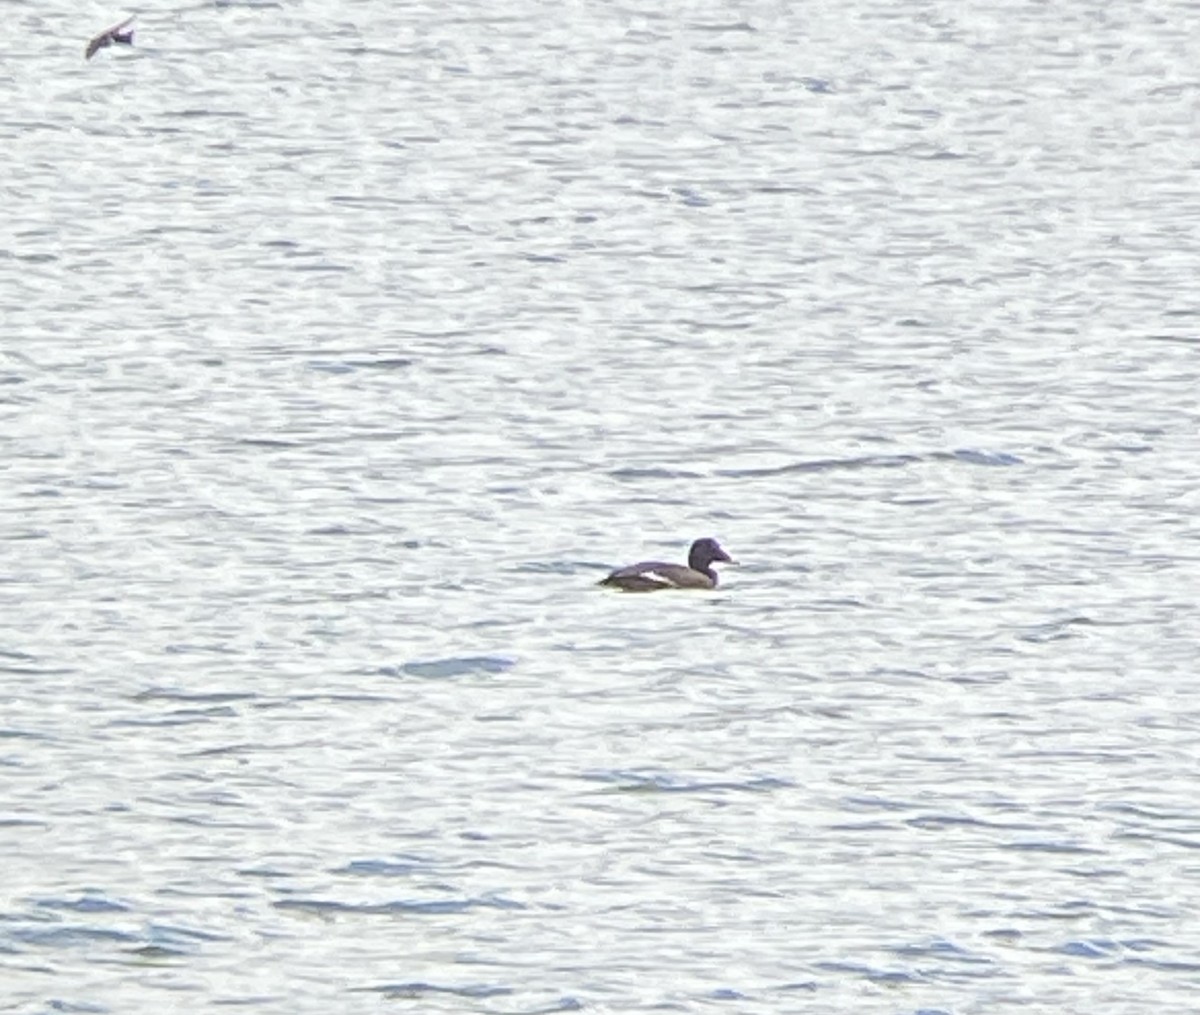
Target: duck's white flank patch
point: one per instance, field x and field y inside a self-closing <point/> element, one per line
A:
<point x="655" y="576"/>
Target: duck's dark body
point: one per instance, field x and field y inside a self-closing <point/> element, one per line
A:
<point x="117" y="34"/>
<point x="656" y="575"/>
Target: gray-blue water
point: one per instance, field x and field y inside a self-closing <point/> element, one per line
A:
<point x="344" y="346"/>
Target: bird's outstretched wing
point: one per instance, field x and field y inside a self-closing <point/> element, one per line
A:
<point x="110" y="35"/>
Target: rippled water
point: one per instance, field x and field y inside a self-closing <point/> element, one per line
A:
<point x="345" y="346"/>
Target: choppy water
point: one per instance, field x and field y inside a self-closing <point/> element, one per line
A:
<point x="343" y="348"/>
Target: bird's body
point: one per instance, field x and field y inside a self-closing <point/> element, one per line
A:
<point x="657" y="575"/>
<point x="121" y="34"/>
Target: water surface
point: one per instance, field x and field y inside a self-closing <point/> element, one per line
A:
<point x="345" y="347"/>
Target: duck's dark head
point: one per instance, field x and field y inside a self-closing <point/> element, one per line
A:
<point x="705" y="552"/>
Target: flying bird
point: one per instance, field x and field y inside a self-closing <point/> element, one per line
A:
<point x="121" y="33"/>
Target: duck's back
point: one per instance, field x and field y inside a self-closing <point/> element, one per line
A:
<point x="652" y="575"/>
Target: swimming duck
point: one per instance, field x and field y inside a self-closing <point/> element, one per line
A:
<point x="110" y="35"/>
<point x="652" y="575"/>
